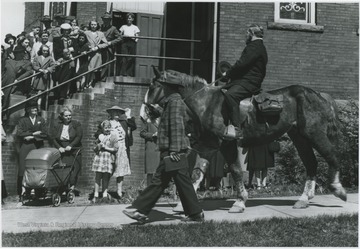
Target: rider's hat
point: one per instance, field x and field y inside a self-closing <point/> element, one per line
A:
<point x="115" y="108"/>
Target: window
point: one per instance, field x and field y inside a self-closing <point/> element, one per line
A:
<point x="295" y="13"/>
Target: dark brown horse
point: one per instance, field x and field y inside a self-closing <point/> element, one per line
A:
<point x="309" y="118"/>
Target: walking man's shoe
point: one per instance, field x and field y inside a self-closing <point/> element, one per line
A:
<point x="135" y="215"/>
<point x="196" y="217"/>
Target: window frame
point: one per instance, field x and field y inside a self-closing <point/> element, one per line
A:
<point x="310" y="17"/>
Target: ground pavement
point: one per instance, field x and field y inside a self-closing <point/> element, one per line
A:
<point x="68" y="217"/>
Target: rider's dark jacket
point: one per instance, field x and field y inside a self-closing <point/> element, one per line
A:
<point x="250" y="69"/>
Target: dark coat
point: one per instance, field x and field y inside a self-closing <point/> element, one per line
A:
<point x="152" y="154"/>
<point x="75" y="134"/>
<point x="26" y="128"/>
<point x="259" y="158"/>
<point x="58" y="46"/>
<point x="250" y="69"/>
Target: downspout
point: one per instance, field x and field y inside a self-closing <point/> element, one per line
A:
<point x="214" y="42"/>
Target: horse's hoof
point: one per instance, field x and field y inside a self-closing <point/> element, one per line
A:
<point x="341" y="193"/>
<point x="179" y="208"/>
<point x="238" y="207"/>
<point x="301" y="204"/>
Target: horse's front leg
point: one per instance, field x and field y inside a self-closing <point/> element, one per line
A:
<point x="308" y="194"/>
<point x="236" y="170"/>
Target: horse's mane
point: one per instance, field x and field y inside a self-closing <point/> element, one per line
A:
<point x="189" y="81"/>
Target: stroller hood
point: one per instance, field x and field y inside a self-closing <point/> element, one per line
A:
<point x="43" y="158"/>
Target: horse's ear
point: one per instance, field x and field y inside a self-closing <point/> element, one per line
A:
<point x="156" y="72"/>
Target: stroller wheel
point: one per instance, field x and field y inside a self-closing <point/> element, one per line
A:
<point x="56" y="199"/>
<point x="70" y="197"/>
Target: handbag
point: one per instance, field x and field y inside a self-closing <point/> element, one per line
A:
<point x="171" y="165"/>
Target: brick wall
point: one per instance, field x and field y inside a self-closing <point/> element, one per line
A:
<point x="90" y="114"/>
<point x="87" y="11"/>
<point x="327" y="61"/>
<point x="33" y="12"/>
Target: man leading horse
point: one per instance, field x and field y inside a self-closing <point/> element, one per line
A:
<point x="246" y="76"/>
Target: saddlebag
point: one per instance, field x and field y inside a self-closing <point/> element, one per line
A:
<point x="269" y="104"/>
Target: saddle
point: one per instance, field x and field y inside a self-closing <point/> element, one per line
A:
<point x="265" y="104"/>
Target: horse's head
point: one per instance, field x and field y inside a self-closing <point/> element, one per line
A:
<point x="155" y="93"/>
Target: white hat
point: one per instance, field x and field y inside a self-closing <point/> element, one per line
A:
<point x="65" y="26"/>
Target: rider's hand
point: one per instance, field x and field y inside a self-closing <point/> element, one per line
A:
<point x="68" y="148"/>
<point x="62" y="150"/>
<point x="175" y="156"/>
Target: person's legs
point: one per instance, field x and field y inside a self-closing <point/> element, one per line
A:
<point x="186" y="192"/>
<point x="263" y="177"/>
<point x="98" y="176"/>
<point x="131" y="60"/>
<point x="258" y="180"/>
<point x="251" y="176"/>
<point x="105" y="183"/>
<point x="148" y="179"/>
<point x="119" y="183"/>
<point x="149" y="196"/>
<point x="123" y="63"/>
<point x="233" y="96"/>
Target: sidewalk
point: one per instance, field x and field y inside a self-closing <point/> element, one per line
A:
<point x="111" y="216"/>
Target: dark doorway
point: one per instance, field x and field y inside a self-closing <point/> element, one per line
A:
<point x="187" y="20"/>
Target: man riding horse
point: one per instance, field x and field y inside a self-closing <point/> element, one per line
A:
<point x="246" y="76"/>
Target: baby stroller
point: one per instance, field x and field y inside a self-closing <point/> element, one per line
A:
<point x="48" y="176"/>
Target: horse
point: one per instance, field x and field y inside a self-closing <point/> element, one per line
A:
<point x="308" y="117"/>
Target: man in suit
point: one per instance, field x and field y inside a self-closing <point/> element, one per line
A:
<point x="113" y="37"/>
<point x="246" y="76"/>
<point x="172" y="141"/>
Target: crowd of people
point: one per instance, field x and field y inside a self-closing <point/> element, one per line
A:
<point x="56" y="54"/>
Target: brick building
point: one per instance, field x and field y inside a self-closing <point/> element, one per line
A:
<point x="311" y="44"/>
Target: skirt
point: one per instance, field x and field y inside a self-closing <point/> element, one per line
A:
<point x="122" y="161"/>
<point x="103" y="162"/>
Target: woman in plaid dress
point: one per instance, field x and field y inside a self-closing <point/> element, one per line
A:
<point x="103" y="163"/>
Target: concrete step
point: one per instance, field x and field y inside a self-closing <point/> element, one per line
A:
<point x="106" y="85"/>
<point x="129" y="80"/>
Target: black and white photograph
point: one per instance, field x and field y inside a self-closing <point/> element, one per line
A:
<point x="179" y="123"/>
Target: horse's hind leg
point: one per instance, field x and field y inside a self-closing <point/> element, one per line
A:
<point x="307" y="156"/>
<point x="328" y="151"/>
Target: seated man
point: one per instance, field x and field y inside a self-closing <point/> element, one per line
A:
<point x="246" y="76"/>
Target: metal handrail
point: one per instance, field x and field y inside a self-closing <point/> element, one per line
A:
<point x="161" y="39"/>
<point x="156" y="57"/>
<point x="63" y="83"/>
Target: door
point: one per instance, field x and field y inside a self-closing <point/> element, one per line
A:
<point x="150" y="26"/>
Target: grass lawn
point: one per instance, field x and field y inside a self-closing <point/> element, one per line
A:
<point x="321" y="231"/>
